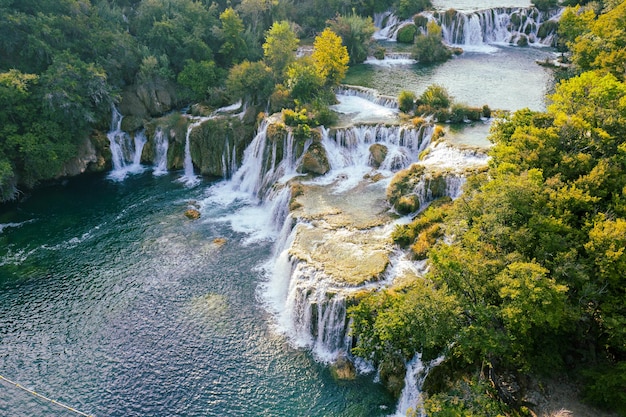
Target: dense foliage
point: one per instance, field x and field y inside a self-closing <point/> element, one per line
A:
<point x="531" y="275"/>
<point x="64" y="64"/>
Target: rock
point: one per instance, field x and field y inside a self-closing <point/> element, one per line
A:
<point x="86" y="156"/>
<point x="315" y="160"/>
<point x="192" y="214"/>
<point x="219" y="241"/>
<point x="343" y="369"/>
<point x="378" y="153"/>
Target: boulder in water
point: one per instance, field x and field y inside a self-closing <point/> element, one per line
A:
<point x="315" y="160"/>
<point x="192" y="214"/>
<point x="378" y="153"/>
<point x="343" y="369"/>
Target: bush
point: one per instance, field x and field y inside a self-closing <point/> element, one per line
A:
<point x="406" y="101"/>
<point x="408" y="8"/>
<point x="280" y="99"/>
<point x="379" y="53"/>
<point x="295" y="118"/>
<point x="406" y="34"/>
<point x="607" y="387"/>
<point x="436" y="96"/>
<point x="544" y="5"/>
<point x="420" y="21"/>
<point x="430" y="48"/>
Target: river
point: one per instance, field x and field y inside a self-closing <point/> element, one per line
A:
<point x="115" y="303"/>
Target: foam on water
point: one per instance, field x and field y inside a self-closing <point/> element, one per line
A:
<point x="362" y="110"/>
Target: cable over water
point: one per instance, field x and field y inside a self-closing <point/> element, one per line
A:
<point x="43" y="397"/>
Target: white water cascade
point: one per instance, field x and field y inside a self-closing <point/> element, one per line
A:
<point x="161" y="145"/>
<point x="497" y="26"/>
<point x="411" y="397"/>
<point x="388" y="26"/>
<point x="260" y="168"/>
<point x="368" y="94"/>
<point x="474" y="30"/>
<point x="189" y="178"/>
<point x="125" y="151"/>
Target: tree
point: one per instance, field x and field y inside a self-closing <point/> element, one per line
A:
<point x="251" y="82"/>
<point x="330" y="58"/>
<point x="408" y="8"/>
<point x="280" y="47"/>
<point x="601" y="47"/>
<point x="234" y="48"/>
<point x="429" y="48"/>
<point x="406" y="101"/>
<point x="303" y="80"/>
<point x="356" y="33"/>
<point x="199" y="77"/>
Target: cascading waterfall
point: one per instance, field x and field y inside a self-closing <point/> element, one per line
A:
<point x="411" y="397"/>
<point x="497" y="26"/>
<point x="161" y="145"/>
<point x="368" y="94"/>
<point x="189" y="178"/>
<point x="125" y="151"/>
<point x="500" y="25"/>
<point x="260" y="168"/>
<point x="388" y="26"/>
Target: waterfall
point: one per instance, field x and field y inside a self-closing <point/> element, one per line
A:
<point x="350" y="147"/>
<point x="497" y="26"/>
<point x="411" y="397"/>
<point x="388" y="26"/>
<point x="125" y="151"/>
<point x="368" y="94"/>
<point x="161" y="145"/>
<point x="260" y="168"/>
<point x="475" y="29"/>
<point x="310" y="308"/>
<point x="189" y="178"/>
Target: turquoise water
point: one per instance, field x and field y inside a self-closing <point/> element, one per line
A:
<point x="506" y="78"/>
<point x="113" y="302"/>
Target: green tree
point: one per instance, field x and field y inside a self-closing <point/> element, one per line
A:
<point x="429" y="48"/>
<point x="252" y="82"/>
<point x="408" y="8"/>
<point x="303" y="80"/>
<point x="406" y="101"/>
<point x="356" y="33"/>
<point x="234" y="48"/>
<point x="330" y="57"/>
<point x="280" y="47"/>
<point x="199" y="77"/>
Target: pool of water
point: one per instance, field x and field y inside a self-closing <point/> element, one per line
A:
<point x="506" y="78"/>
<point x="115" y="303"/>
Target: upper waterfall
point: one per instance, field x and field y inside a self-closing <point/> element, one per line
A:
<point x="476" y="29"/>
<point x="518" y="26"/>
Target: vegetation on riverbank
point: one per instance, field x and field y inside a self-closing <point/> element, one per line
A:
<point x="63" y="65"/>
<point x="529" y="279"/>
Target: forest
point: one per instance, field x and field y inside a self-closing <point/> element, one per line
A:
<point x="527" y="268"/>
<point x="63" y="64"/>
<point x="529" y="279"/>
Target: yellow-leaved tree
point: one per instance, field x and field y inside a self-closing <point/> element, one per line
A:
<point x="330" y="57"/>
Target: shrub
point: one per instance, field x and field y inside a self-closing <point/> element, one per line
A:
<point x="406" y="101"/>
<point x="295" y="118"/>
<point x="420" y="21"/>
<point x="436" y="96"/>
<point x="406" y="34"/>
<point x="379" y="53"/>
<point x="280" y="99"/>
<point x="544" y="5"/>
